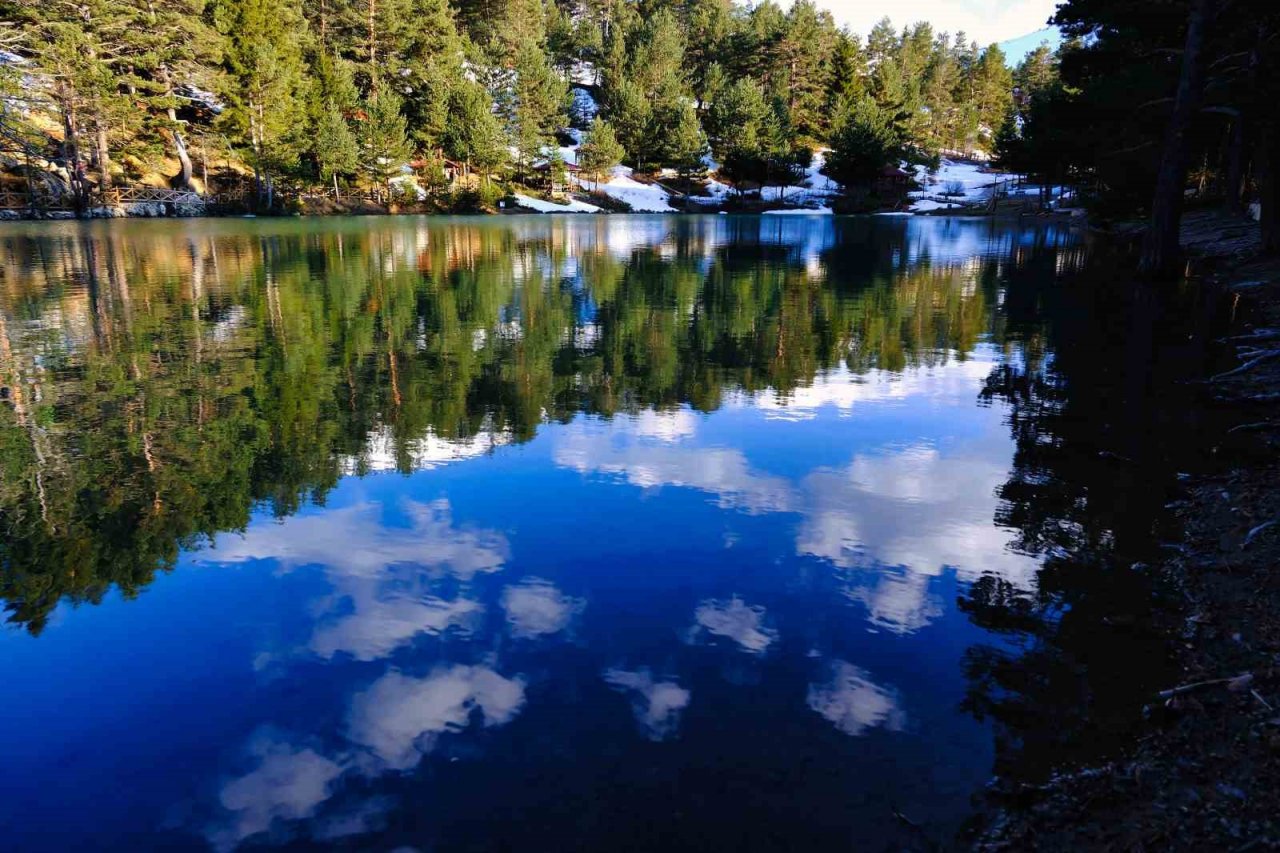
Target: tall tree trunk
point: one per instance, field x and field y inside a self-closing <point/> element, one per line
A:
<point x="1268" y="164"/>
<point x="1234" y="187"/>
<point x="373" y="47"/>
<point x="1161" y="253"/>
<point x="71" y="146"/>
<point x="183" y="179"/>
<point x="103" y="156"/>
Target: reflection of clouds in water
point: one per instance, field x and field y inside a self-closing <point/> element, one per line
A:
<point x="287" y="784"/>
<point x="735" y="619"/>
<point x="917" y="510"/>
<point x="914" y="509"/>
<point x="845" y="390"/>
<point x="383" y="572"/>
<point x="656" y="704"/>
<point x="365" y="816"/>
<point x="353" y="542"/>
<point x="665" y="426"/>
<point x="853" y="703"/>
<point x="384" y="619"/>
<point x="399" y="718"/>
<point x="536" y="608"/>
<point x="382" y="452"/>
<point x="611" y="448"/>
<point x="897" y="599"/>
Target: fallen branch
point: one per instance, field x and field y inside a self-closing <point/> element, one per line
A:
<point x="1253" y="534"/>
<point x="1197" y="685"/>
<point x="1253" y="426"/>
<point x="1267" y="355"/>
<point x="1257" y="335"/>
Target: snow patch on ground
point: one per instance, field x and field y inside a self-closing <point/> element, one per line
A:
<point x="541" y="206"/>
<point x="643" y="198"/>
<point x="972" y="184"/>
<point x="802" y="211"/>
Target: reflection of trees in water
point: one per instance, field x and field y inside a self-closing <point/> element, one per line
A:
<point x="1098" y="427"/>
<point x="162" y="385"/>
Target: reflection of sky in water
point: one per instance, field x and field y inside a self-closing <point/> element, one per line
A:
<point x="601" y="614"/>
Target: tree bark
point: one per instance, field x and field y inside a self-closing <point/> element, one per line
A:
<point x="103" y="157"/>
<point x="71" y="146"/>
<point x="1161" y="252"/>
<point x="183" y="179"/>
<point x="1234" y="186"/>
<point x="1268" y="159"/>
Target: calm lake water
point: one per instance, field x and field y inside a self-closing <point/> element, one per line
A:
<point x="542" y="533"/>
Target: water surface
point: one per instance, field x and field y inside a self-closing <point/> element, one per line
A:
<point x="541" y="533"/>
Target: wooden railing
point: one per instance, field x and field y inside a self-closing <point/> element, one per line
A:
<point x="10" y="200"/>
<point x="113" y="197"/>
<point x="152" y="195"/>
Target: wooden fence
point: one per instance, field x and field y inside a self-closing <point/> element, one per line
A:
<point x="113" y="197"/>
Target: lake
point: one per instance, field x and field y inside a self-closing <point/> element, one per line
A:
<point x="555" y="533"/>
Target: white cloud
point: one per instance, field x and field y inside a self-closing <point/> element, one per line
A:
<point x="984" y="20"/>
<point x="536" y="608"/>
<point x="894" y="517"/>
<point x="425" y="452"/>
<point x="908" y="514"/>
<point x="656" y="704"/>
<point x="287" y="784"/>
<point x="669" y="427"/>
<point x="384" y="619"/>
<point x="851" y="702"/>
<point x="400" y="718"/>
<point x="353" y="542"/>
<point x="588" y="446"/>
<point x="381" y="575"/>
<point x="735" y="619"/>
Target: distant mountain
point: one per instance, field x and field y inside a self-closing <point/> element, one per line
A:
<point x="1015" y="49"/>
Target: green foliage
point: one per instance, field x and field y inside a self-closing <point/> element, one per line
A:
<point x="384" y="138"/>
<point x="188" y="403"/>
<point x="600" y="151"/>
<point x="863" y="143"/>
<point x="337" y="152"/>
<point x="472" y="133"/>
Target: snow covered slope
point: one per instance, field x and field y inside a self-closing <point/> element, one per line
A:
<point x="574" y="206"/>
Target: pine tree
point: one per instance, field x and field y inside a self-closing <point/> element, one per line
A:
<point x="337" y="152"/>
<point x="472" y="131"/>
<point x="538" y="104"/>
<point x="685" y="146"/>
<point x="384" y="139"/>
<point x="737" y="119"/>
<point x="864" y="141"/>
<point x="263" y="60"/>
<point x="600" y="151"/>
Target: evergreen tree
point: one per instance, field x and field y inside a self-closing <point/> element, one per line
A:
<point x="600" y="151"/>
<point x="472" y="131"/>
<point x="384" y="139"/>
<point x="263" y="60"/>
<point x="337" y="152"/>
<point x="864" y="142"/>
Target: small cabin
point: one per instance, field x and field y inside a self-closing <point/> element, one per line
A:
<point x="892" y="181"/>
<point x="552" y="182"/>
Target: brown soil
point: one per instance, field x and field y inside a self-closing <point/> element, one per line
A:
<point x="1203" y="771"/>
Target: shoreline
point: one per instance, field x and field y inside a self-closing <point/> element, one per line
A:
<point x="1201" y="769"/>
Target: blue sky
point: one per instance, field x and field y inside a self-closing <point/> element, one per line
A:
<point x="984" y="20"/>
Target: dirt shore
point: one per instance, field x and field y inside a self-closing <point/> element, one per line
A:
<point x="1202" y="769"/>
